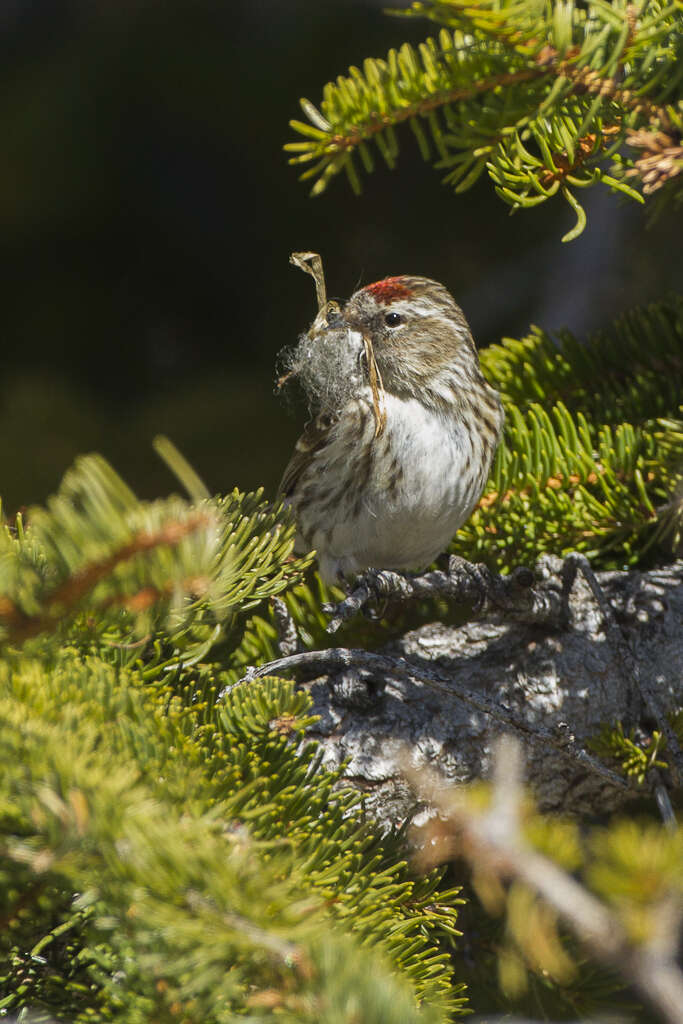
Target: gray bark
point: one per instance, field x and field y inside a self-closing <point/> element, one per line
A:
<point x="445" y="693"/>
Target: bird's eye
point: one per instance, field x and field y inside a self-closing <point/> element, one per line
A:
<point x="393" y="319"/>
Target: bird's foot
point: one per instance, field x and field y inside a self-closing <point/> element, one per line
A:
<point x="370" y="592"/>
<point x="461" y="581"/>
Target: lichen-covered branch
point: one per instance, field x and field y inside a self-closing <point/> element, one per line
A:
<point x="591" y="658"/>
<point x="384" y="668"/>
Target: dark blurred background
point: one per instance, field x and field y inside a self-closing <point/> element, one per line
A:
<point x="147" y="212"/>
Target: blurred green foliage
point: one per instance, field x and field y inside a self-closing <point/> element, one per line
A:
<point x="167" y="843"/>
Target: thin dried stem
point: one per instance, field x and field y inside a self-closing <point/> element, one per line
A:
<point x="376" y="386"/>
<point x="312" y="263"/>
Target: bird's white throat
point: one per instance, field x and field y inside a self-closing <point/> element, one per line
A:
<point x="422" y="487"/>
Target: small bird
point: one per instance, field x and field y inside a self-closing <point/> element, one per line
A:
<point x="405" y="431"/>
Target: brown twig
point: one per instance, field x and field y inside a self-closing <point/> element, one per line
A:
<point x="492" y="841"/>
<point x="585" y="147"/>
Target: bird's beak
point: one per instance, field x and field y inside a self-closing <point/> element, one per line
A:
<point x="329" y="318"/>
<point x="333" y="316"/>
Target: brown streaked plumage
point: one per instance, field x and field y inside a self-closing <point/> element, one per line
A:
<point x="392" y="498"/>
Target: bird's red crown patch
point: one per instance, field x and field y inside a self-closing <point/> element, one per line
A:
<point x="389" y="290"/>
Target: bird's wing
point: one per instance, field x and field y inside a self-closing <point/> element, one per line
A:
<point x="314" y="438"/>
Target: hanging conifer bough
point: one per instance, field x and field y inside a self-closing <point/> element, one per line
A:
<point x="549" y="97"/>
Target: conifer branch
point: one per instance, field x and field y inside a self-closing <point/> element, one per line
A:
<point x="225" y="847"/>
<point x="62" y="601"/>
<point x="541" y="98"/>
<point x="493" y="842"/>
<point x="96" y="547"/>
<point x="520" y="596"/>
<point x="356" y="134"/>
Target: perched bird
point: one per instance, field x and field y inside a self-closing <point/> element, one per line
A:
<point x="405" y="431"/>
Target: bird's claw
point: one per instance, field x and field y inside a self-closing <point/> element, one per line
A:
<point x="370" y="594"/>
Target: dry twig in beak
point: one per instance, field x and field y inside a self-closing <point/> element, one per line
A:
<point x="377" y="388"/>
<point x="311" y="263"/>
